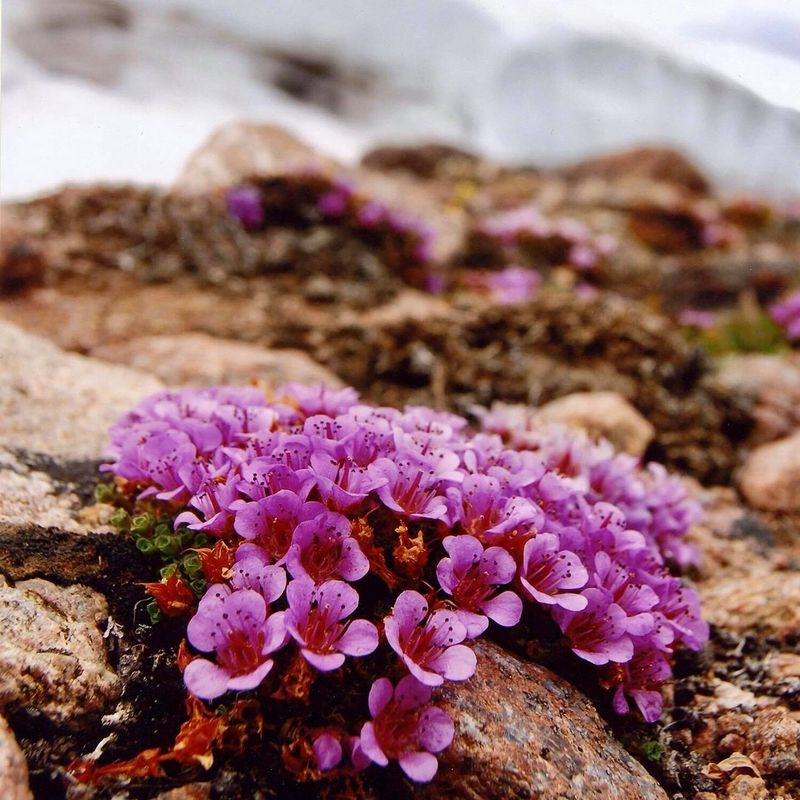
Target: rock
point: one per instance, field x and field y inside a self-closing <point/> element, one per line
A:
<point x="57" y="403"/>
<point x="763" y="601"/>
<point x="770" y="476"/>
<point x="37" y="490"/>
<point x="602" y="414"/>
<point x="52" y="653"/>
<point x="660" y="164"/>
<point x="242" y="149"/>
<point x="774" y="742"/>
<point x="199" y="359"/>
<point x="772" y="383"/>
<point x="521" y="731"/>
<point x="13" y="768"/>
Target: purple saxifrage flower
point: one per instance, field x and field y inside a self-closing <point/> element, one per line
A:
<point x="406" y="727"/>
<point x="430" y="646"/>
<point x="549" y="575"/>
<point x="471" y="576"/>
<point x="323" y="548"/>
<point x="315" y="621"/>
<point x="237" y="627"/>
<point x="244" y="204"/>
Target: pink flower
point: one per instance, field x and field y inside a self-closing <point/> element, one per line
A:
<point x="471" y="575"/>
<point x="408" y="488"/>
<point x="548" y="573"/>
<point x="406" y="727"/>
<point x="642" y="677"/>
<point x="432" y="651"/>
<point x="270" y="522"/>
<point x="323" y="548"/>
<point x="314" y="619"/>
<point x="236" y="626"/>
<point x="253" y="573"/>
<point x="597" y="634"/>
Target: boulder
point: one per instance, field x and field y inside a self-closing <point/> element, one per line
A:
<point x="602" y="414"/>
<point x="772" y="384"/>
<point x="242" y="149"/>
<point x="13" y="769"/>
<point x="200" y="360"/>
<point x="52" y="652"/>
<point x="61" y="404"/>
<point x="770" y="476"/>
<point x="521" y="731"/>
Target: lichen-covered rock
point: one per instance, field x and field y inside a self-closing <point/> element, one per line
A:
<point x="198" y="359"/>
<point x="770" y="477"/>
<point x="61" y="404"/>
<point x="602" y="415"/>
<point x="13" y="768"/>
<point x="521" y="731"/>
<point x="52" y="653"/>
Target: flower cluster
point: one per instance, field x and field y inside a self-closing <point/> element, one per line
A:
<point x="310" y="198"/>
<point x="526" y="236"/>
<point x="401" y="536"/>
<point x="787" y="314"/>
<point x="507" y="286"/>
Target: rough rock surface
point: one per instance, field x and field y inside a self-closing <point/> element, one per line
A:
<point x="772" y="383"/>
<point x="199" y="359"/>
<point x="521" y="731"/>
<point x="602" y="415"/>
<point x="13" y="767"/>
<point x="38" y="490"/>
<point x="241" y="149"/>
<point x="60" y="403"/>
<point x="770" y="477"/>
<point x="52" y="653"/>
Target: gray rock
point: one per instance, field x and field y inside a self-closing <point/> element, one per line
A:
<point x="52" y="652"/>
<point x="200" y="359"/>
<point x="61" y="404"/>
<point x="522" y="731"/>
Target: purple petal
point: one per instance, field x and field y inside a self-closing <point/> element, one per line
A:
<point x="379" y="695"/>
<point x="411" y="694"/>
<point x="425" y="676"/>
<point x="243" y="683"/>
<point x="205" y="680"/>
<point x="353" y="564"/>
<point x="464" y="552"/>
<point x="499" y="564"/>
<point x="324" y="662"/>
<point x="370" y="746"/>
<point x="328" y="751"/>
<point x="359" y="759"/>
<point x="435" y="729"/>
<point x="420" y="767"/>
<point x="409" y="610"/>
<point x="276" y="634"/>
<point x="505" y="609"/>
<point x="360" y="638"/>
<point x="445" y="575"/>
<point x="650" y="703"/>
<point x="456" y="663"/>
<point x="340" y="596"/>
<point x="476" y="624"/>
<point x="298" y="594"/>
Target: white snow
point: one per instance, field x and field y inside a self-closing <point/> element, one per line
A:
<point x="539" y="81"/>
